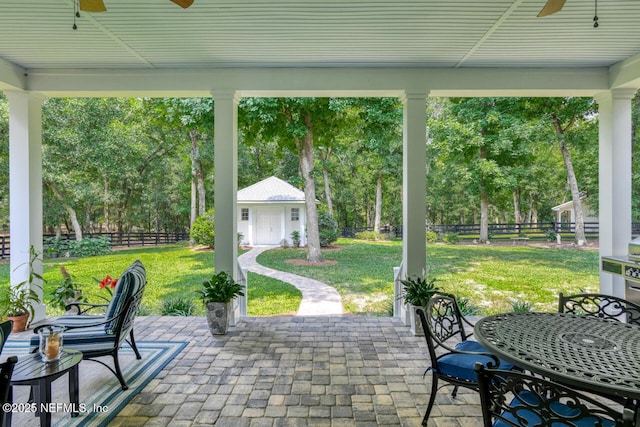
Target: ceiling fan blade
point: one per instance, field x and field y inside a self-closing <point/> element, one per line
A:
<point x="92" y="6"/>
<point x="551" y="7"/>
<point x="183" y="3"/>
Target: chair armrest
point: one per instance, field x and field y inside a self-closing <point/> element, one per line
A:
<point x="83" y="307"/>
<point x="90" y="325"/>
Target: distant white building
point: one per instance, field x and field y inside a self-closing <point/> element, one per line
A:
<point x="566" y="213"/>
<point x="269" y="210"/>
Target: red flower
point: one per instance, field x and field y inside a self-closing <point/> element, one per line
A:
<point x="108" y="281"/>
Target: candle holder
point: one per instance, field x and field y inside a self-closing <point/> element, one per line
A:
<point x="50" y="343"/>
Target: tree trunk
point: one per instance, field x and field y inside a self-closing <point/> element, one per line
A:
<point x="306" y="167"/>
<point x="580" y="237"/>
<point x="484" y="205"/>
<point x="327" y="189"/>
<point x="106" y="204"/>
<point x="70" y="212"/>
<point x="378" y="213"/>
<point x="197" y="174"/>
<point x="517" y="215"/>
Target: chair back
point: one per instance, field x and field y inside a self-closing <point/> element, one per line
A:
<point x="600" y="305"/>
<point x="441" y="321"/>
<point x="123" y="322"/>
<point x="5" y="330"/>
<point x="6" y="369"/>
<point x="132" y="281"/>
<point x="513" y="398"/>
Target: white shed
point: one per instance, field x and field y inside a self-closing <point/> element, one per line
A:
<point x="269" y="210"/>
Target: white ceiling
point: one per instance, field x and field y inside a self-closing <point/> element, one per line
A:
<point x="36" y="36"/>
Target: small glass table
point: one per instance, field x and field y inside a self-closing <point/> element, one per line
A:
<point x="598" y="355"/>
<point x="32" y="371"/>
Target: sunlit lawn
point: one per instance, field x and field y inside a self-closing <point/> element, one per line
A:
<point x="491" y="276"/>
<point x="173" y="272"/>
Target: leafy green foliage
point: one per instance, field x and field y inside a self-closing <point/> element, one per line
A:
<point x="89" y="246"/>
<point x="328" y="228"/>
<point x="432" y="237"/>
<point x="220" y="288"/>
<point x="178" y="307"/>
<point x="22" y="298"/>
<point x="451" y="238"/>
<point x="520" y="306"/>
<point x="370" y="235"/>
<point x="67" y="289"/>
<point x="418" y="290"/>
<point x="203" y="231"/>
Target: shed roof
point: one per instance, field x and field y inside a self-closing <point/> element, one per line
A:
<point x="271" y="189"/>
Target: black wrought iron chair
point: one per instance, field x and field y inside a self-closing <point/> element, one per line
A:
<point x="6" y="369"/>
<point x="5" y="330"/>
<point x="452" y="354"/>
<point x="104" y="336"/>
<point x="600" y="305"/>
<point x="516" y="399"/>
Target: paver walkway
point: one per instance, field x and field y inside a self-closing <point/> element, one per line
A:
<point x="317" y="298"/>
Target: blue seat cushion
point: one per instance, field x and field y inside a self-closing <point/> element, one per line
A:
<point x="532" y="418"/>
<point x="460" y="365"/>
<point x="86" y="339"/>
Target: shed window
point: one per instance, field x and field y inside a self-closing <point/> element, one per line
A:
<point x="244" y="214"/>
<point x="295" y="214"/>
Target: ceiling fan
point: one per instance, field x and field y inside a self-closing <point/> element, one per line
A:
<point x="554" y="6"/>
<point x="551" y="7"/>
<point x="98" y="5"/>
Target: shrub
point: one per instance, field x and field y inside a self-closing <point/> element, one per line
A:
<point x="203" y="230"/>
<point x="551" y="235"/>
<point x="467" y="308"/>
<point x="177" y="307"/>
<point x="328" y="228"/>
<point x="55" y="246"/>
<point x="90" y="246"/>
<point x="451" y="238"/>
<point x="519" y="306"/>
<point x="370" y="235"/>
<point x="432" y="237"/>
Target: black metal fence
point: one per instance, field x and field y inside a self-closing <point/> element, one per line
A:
<point x="129" y="239"/>
<point x="496" y="230"/>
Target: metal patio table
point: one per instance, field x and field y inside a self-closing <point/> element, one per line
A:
<point x="602" y="356"/>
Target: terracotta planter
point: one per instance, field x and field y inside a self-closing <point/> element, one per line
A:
<point x="19" y="322"/>
<point x="218" y="317"/>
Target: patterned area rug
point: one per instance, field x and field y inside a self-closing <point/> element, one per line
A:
<point x="100" y="390"/>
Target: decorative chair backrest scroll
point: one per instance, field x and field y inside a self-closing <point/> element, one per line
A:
<point x="601" y="306"/>
<point x="512" y="398"/>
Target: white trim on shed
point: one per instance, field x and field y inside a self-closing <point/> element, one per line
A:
<point x="269" y="211"/>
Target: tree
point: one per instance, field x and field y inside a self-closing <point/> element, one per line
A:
<point x="295" y="123"/>
<point x="566" y="117"/>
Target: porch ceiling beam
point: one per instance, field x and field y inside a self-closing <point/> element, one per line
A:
<point x="269" y="82"/>
<point x="625" y="73"/>
<point x="12" y="77"/>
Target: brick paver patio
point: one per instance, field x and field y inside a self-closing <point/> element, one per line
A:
<point x="293" y="371"/>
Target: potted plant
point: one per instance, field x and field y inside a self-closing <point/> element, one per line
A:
<point x="67" y="292"/>
<point x="217" y="295"/>
<point x="295" y="238"/>
<point x="17" y="303"/>
<point x="417" y="291"/>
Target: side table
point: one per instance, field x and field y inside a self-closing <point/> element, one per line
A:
<point x="32" y="371"/>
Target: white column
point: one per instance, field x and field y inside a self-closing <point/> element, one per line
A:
<point x="615" y="173"/>
<point x="226" y="180"/>
<point x="25" y="186"/>
<point x="414" y="183"/>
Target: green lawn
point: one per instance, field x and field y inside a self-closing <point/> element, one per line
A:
<point x="173" y="271"/>
<point x="491" y="276"/>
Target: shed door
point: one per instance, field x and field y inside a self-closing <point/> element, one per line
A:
<point x="268" y="227"/>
